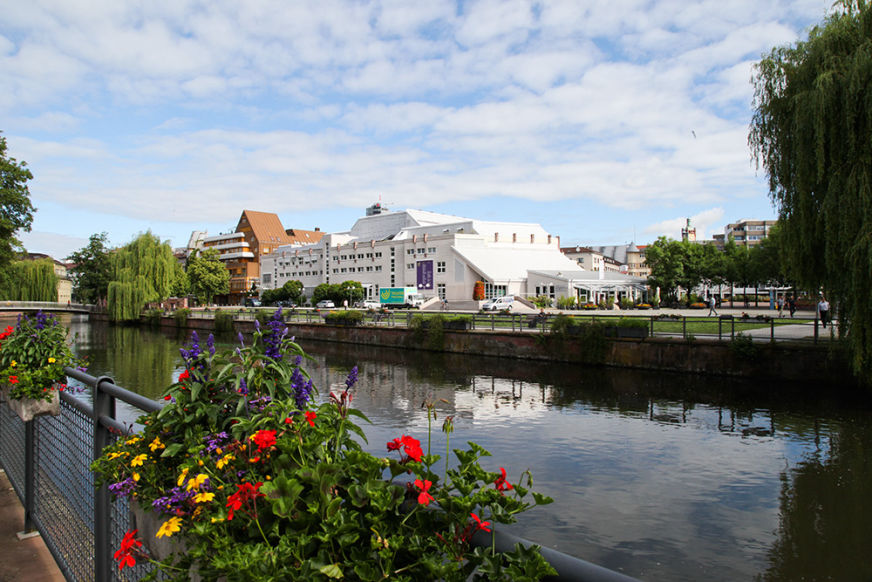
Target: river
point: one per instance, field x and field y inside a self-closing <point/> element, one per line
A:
<point x="659" y="476"/>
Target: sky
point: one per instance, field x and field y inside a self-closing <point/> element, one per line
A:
<point x="605" y="122"/>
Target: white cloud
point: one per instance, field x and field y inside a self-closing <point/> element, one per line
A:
<point x="706" y="223"/>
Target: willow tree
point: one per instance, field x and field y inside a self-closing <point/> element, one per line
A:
<point x="143" y="271"/>
<point x="812" y="133"/>
<point x="31" y="281"/>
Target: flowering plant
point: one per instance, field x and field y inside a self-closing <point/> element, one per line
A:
<point x="33" y="356"/>
<point x="264" y="483"/>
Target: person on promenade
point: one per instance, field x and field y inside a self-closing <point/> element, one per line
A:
<point x="791" y="305"/>
<point x="712" y="303"/>
<point x="823" y="308"/>
<point x="780" y="304"/>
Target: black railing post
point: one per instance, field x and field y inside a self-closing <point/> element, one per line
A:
<point x="29" y="474"/>
<point x="104" y="405"/>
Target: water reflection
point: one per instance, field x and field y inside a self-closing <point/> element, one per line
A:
<point x="664" y="477"/>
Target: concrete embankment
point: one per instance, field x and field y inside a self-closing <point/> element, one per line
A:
<point x="801" y="361"/>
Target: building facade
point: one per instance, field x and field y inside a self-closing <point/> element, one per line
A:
<point x="746" y="232"/>
<point x="442" y="256"/>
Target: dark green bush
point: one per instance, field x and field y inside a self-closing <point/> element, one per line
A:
<point x="223" y="321"/>
<point x="349" y="317"/>
<point x="181" y="316"/>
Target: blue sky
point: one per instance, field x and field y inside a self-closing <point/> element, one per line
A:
<point x="605" y="122"/>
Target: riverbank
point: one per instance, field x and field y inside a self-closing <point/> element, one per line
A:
<point x="800" y="361"/>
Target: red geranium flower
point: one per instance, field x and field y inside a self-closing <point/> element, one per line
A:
<point x="479" y="524"/>
<point x="264" y="439"/>
<point x="424" y="498"/>
<point x="184" y="375"/>
<point x="501" y="483"/>
<point x="13" y="379"/>
<point x="411" y="446"/>
<point x="128" y="544"/>
<point x="311" y="416"/>
<point x="246" y="492"/>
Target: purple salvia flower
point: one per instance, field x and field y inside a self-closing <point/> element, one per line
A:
<point x="210" y="343"/>
<point x="351" y="380"/>
<point x="243" y="386"/>
<point x="241" y="339"/>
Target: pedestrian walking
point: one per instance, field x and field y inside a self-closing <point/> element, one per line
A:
<point x="791" y="305"/>
<point x="823" y="309"/>
<point x="712" y="303"/>
<point x="780" y="304"/>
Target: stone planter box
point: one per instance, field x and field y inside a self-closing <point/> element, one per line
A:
<point x="27" y="408"/>
<point x="148" y="522"/>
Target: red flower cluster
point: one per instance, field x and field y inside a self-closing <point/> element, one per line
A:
<point x="424" y="498"/>
<point x="310" y="417"/>
<point x="479" y="524"/>
<point x="264" y="439"/>
<point x="6" y="333"/>
<point x="501" y="483"/>
<point x="184" y="375"/>
<point x="124" y="553"/>
<point x="13" y="379"/>
<point x="411" y="446"/>
<point x="246" y="492"/>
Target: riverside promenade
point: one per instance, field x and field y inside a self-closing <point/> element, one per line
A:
<point x="21" y="560"/>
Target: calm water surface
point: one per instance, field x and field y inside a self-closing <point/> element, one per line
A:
<point x="662" y="477"/>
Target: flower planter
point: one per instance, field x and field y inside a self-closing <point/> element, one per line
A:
<point x="28" y="408"/>
<point x="148" y="522"/>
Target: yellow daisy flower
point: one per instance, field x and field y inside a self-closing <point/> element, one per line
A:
<point x="138" y="460"/>
<point x="169" y="527"/>
<point x="182" y="477"/>
<point x="204" y="497"/>
<point x="195" y="482"/>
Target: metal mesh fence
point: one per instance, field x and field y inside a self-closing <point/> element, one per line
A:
<point x="12" y="448"/>
<point x="64" y="508"/>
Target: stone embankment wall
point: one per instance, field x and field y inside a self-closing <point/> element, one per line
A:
<point x="802" y="362"/>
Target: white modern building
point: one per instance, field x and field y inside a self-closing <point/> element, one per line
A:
<point x="442" y="256"/>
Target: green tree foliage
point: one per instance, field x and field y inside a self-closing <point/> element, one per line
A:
<point x="290" y="291"/>
<point x="16" y="211"/>
<point x="208" y="276"/>
<point x="30" y="281"/>
<point x="812" y="133"/>
<point x="682" y="264"/>
<point x="351" y="291"/>
<point x="143" y="271"/>
<point x="92" y="271"/>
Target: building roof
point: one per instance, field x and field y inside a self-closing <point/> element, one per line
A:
<point x="303" y="237"/>
<point x="499" y="264"/>
<point x="266" y="226"/>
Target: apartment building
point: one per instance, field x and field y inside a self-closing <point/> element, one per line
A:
<point x="745" y="232"/>
<point x="257" y="235"/>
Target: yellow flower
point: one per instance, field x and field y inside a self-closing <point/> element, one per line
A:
<point x="182" y="477"/>
<point x="195" y="482"/>
<point x="204" y="497"/>
<point x="224" y="460"/>
<point x="136" y="476"/>
<point x="138" y="460"/>
<point x="156" y="444"/>
<point x="169" y="527"/>
<point x="14" y="363"/>
<point x="51" y="360"/>
<point x="132" y="440"/>
<point x="218" y="451"/>
<point x="216" y="520"/>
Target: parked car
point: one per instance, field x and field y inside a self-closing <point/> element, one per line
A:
<point x="370" y="304"/>
<point x="325" y="304"/>
<point x="290" y="304"/>
<point x="498" y="304"/>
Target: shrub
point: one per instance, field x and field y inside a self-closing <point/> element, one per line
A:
<point x="153" y="317"/>
<point x="566" y="303"/>
<point x="639" y="322"/>
<point x="541" y="301"/>
<point x="181" y="316"/>
<point x="626" y="303"/>
<point x="350" y="317"/>
<point x="223" y="321"/>
<point x="743" y="347"/>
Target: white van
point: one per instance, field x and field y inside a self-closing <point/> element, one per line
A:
<point x="498" y="304"/>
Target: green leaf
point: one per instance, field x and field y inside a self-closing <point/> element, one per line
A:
<point x="332" y="571"/>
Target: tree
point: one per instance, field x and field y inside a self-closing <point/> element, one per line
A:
<point x="16" y="211"/>
<point x="92" y="271"/>
<point x="812" y="133"/>
<point x="31" y="281"/>
<point x="143" y="271"/>
<point x="208" y="276"/>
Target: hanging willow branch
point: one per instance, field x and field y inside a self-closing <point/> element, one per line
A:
<point x="143" y="272"/>
<point x="812" y="133"/>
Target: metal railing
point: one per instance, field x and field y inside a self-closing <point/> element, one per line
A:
<point x="48" y="460"/>
<point x="666" y="325"/>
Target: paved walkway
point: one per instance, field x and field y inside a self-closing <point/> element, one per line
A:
<point x="26" y="560"/>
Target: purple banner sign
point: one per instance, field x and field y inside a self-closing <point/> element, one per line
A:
<point x="425" y="275"/>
